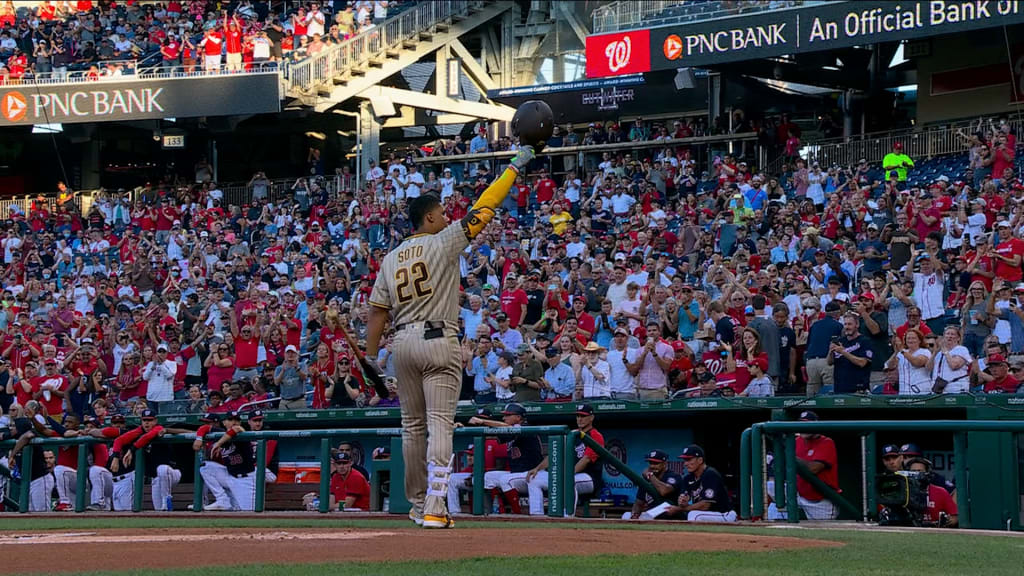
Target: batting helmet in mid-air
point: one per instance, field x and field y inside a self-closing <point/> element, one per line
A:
<point x="533" y="123"/>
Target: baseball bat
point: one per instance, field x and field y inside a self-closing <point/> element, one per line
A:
<point x="369" y="372"/>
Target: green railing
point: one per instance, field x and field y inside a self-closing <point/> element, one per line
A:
<point x="659" y="409"/>
<point x="560" y="453"/>
<point x="787" y="467"/>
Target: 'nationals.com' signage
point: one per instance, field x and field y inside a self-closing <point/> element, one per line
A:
<point x="789" y="31"/>
<point x="110" y="101"/>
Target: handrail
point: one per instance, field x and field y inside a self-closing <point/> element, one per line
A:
<point x="153" y="73"/>
<point x="565" y="150"/>
<point x="751" y="445"/>
<point x="306" y="75"/>
<point x="926" y="142"/>
<point x="628" y="14"/>
<point x="560" y="480"/>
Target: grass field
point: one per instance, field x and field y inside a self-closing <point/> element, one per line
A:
<point x="864" y="552"/>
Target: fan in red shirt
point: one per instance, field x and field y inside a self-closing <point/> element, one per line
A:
<point x="233" y="44"/>
<point x="999" y="378"/>
<point x="349" y="489"/>
<point x="545" y="187"/>
<point x="513" y="301"/>
<point x="50" y="388"/>
<point x="247" y="343"/>
<point x="1008" y="254"/>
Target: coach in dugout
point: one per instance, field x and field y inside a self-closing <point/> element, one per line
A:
<point x="704" y="497"/>
<point x="666" y="482"/>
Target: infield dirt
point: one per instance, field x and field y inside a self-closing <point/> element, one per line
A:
<point x="67" y="551"/>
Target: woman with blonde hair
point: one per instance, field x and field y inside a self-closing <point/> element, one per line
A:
<point x="910" y="359"/>
<point x="975" y="320"/>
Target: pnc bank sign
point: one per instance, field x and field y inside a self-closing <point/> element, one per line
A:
<point x="87" y="105"/>
<point x="773" y="33"/>
<point x="139" y="100"/>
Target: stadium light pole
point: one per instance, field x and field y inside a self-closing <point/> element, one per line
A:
<point x="359" y="144"/>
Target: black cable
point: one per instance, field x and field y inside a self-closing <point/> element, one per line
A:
<point x="53" y="138"/>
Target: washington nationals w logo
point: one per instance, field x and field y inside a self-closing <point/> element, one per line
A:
<point x="618" y="53"/>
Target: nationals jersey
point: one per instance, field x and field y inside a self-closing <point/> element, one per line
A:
<point x="419" y="280"/>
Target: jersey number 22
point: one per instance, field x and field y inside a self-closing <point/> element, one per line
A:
<point x="411" y="282"/>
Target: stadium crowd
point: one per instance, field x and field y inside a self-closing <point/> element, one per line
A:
<point x="106" y="38"/>
<point x="633" y="278"/>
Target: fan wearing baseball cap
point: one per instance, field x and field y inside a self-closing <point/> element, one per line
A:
<point x="666" y="482"/>
<point x="704" y="497"/>
<point x="818" y="453"/>
<point x="588" y="469"/>
<point x="1008" y="254"/>
<point x="290" y="378"/>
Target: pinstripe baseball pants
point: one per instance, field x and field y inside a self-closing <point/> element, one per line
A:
<point x="429" y="377"/>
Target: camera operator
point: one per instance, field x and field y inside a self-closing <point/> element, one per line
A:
<point x="942" y="511"/>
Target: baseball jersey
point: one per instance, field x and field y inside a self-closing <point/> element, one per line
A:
<point x="817" y="449"/>
<point x="672" y="479"/>
<point x="709" y="487"/>
<point x="419" y="280"/>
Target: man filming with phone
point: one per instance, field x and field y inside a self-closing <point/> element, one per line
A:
<point x="850" y="356"/>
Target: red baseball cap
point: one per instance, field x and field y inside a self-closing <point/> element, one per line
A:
<point x="898" y="145"/>
<point x="678" y="345"/>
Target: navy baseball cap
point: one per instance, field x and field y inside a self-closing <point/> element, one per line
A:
<point x="910" y="449"/>
<point x="692" y="451"/>
<point x="257" y="415"/>
<point x="233" y="415"/>
<point x="890" y="450"/>
<point x="117" y="419"/>
<point x="484" y="412"/>
<point x="148" y="415"/>
<point x="656" y="456"/>
<point x="209" y="417"/>
<point x="584" y="410"/>
<point x="514" y="409"/>
<point x="808" y="416"/>
<point x="342" y="457"/>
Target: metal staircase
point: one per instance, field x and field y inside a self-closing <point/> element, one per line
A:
<point x="343" y="71"/>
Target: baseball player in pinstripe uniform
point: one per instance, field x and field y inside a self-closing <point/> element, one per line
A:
<point x="417" y="288"/>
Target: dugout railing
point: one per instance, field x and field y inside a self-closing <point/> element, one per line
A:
<point x="561" y="482"/>
<point x="986" y="457"/>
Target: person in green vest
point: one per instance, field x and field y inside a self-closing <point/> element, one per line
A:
<point x="897" y="161"/>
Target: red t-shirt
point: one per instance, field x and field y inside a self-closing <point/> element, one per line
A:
<point x="171" y="50"/>
<point x="545" y="190"/>
<point x="55" y="405"/>
<point x="939" y="501"/>
<point x="213" y="43"/>
<point x="1008" y="385"/>
<point x="294" y="336"/>
<point x="1008" y="249"/>
<point x="522" y="195"/>
<point x="246" y="352"/>
<point x="901" y="331"/>
<point x="817" y="449"/>
<point x="513" y="302"/>
<point x="233" y="41"/>
<point x="352" y="485"/>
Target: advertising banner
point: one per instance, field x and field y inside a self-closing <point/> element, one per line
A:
<point x="127" y="99"/>
<point x="768" y="34"/>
